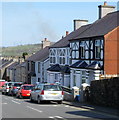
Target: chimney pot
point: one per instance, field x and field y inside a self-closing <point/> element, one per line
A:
<point x="45" y="39"/>
<point x="67" y="32"/>
<point x="105" y="3"/>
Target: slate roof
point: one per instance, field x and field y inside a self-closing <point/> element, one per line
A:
<point x="41" y="55"/>
<point x="94" y="65"/>
<point x="59" y="68"/>
<point x="22" y="64"/>
<point x="5" y="63"/>
<point x="102" y="26"/>
<point x="83" y="65"/>
<point x="13" y="65"/>
<point x="79" y="64"/>
<point x="64" y="42"/>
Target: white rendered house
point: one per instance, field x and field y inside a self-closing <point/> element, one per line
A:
<point x="37" y="66"/>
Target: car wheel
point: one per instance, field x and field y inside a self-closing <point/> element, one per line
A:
<point x="20" y="96"/>
<point x="39" y="101"/>
<point x="31" y="98"/>
<point x="59" y="102"/>
<point x="16" y="95"/>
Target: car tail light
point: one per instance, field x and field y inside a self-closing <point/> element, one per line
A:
<point x="42" y="92"/>
<point x="14" y="87"/>
<point x="7" y="88"/>
<point x="62" y="92"/>
<point x="52" y="84"/>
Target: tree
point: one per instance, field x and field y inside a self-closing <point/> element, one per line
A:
<point x="24" y="55"/>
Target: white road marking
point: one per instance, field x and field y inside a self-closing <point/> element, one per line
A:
<point x="55" y="117"/>
<point x="55" y="105"/>
<point x="49" y="105"/>
<point x="66" y="105"/>
<point x="58" y="117"/>
<point x="34" y="109"/>
<point x="51" y="117"/>
<point x="16" y="102"/>
<point x="4" y="103"/>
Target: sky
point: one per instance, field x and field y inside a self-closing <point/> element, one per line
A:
<point x="31" y="22"/>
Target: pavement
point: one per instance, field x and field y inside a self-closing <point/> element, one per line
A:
<point x="96" y="108"/>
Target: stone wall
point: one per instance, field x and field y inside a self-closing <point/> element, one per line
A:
<point x="105" y="92"/>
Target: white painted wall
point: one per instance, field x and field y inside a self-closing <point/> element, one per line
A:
<point x="43" y="70"/>
<point x="33" y="80"/>
<point x="51" y="77"/>
<point x="67" y="80"/>
<point x="46" y="66"/>
<point x="78" y="73"/>
<point x="38" y="75"/>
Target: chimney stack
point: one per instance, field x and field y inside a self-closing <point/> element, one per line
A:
<point x="105" y="9"/>
<point x="79" y="23"/>
<point x="45" y="43"/>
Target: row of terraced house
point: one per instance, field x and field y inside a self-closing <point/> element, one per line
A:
<point x="90" y="52"/>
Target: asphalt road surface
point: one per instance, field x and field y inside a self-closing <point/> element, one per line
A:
<point x="22" y="108"/>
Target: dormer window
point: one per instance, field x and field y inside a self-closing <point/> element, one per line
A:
<point x="62" y="58"/>
<point x="52" y="56"/>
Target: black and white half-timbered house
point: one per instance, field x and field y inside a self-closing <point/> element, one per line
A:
<point x="88" y="50"/>
<point x="60" y="59"/>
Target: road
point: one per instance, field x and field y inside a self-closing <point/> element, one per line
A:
<point x="22" y="108"/>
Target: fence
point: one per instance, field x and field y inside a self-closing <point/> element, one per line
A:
<point x="105" y="92"/>
<point x="68" y="95"/>
<point x="66" y="89"/>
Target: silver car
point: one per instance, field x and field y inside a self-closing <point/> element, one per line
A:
<point x="47" y="92"/>
<point x="6" y="88"/>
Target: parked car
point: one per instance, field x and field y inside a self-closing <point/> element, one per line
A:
<point x="47" y="92"/>
<point x="14" y="88"/>
<point x="2" y="82"/>
<point x="6" y="87"/>
<point x="24" y="91"/>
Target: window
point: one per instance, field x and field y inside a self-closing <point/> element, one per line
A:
<point x="38" y="79"/>
<point x="82" y="49"/>
<point x="97" y="49"/>
<point x="28" y="66"/>
<point x="52" y="88"/>
<point x="62" y="53"/>
<point x="52" y="56"/>
<point x="38" y="67"/>
<point x="56" y="76"/>
<point x="33" y="66"/>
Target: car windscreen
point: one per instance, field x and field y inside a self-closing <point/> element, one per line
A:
<point x="17" y="84"/>
<point x="27" y="87"/>
<point x="52" y="88"/>
<point x="9" y="84"/>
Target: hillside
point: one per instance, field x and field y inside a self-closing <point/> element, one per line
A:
<point x="18" y="50"/>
